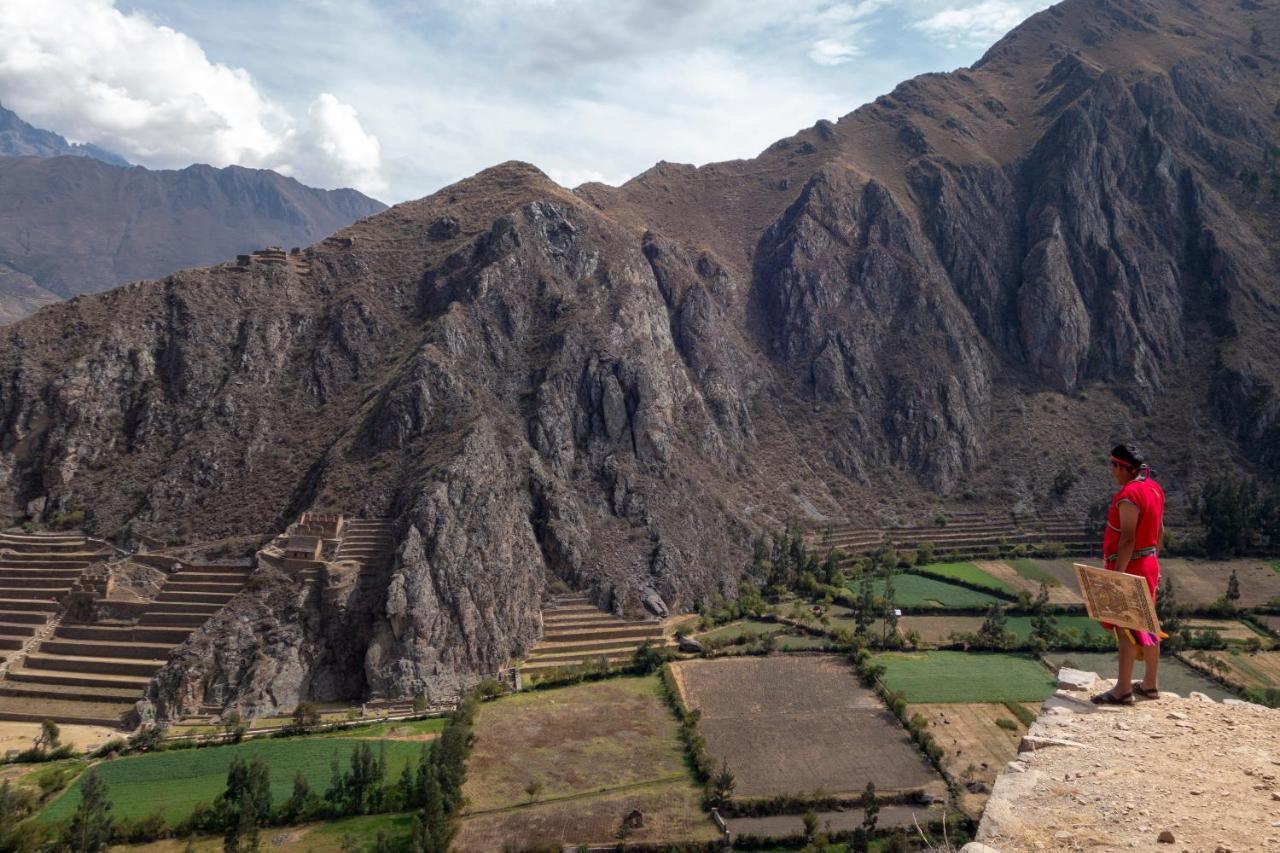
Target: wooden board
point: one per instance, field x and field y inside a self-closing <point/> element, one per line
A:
<point x="1118" y="598"/>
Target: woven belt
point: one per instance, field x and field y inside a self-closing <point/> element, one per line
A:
<point x="1141" y="552"/>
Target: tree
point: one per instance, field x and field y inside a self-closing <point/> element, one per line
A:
<point x="870" y="816"/>
<point x="533" y="789"/>
<point x="810" y="825"/>
<point x="722" y="785"/>
<point x="1229" y="512"/>
<point x="866" y="603"/>
<point x="245" y="804"/>
<point x="1167" y="607"/>
<point x="302" y="804"/>
<point x="306" y="716"/>
<point x="649" y="658"/>
<point x="1233" y="589"/>
<point x="993" y="633"/>
<point x="890" y="617"/>
<point x="49" y="735"/>
<point x="1044" y="625"/>
<point x="90" y="826"/>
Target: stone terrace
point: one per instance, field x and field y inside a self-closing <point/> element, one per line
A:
<point x="963" y="535"/>
<point x="92" y="673"/>
<point x="575" y="631"/>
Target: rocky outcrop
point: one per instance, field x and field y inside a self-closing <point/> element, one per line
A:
<point x="976" y="279"/>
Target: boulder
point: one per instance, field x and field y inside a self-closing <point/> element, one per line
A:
<point x="1076" y="679"/>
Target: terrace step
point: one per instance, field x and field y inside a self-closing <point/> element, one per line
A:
<point x="106" y="649"/>
<point x="9" y="642"/>
<point x="598" y="621"/>
<point x="63" y="691"/>
<point x="202" y="586"/>
<point x="9" y="605"/>
<point x="30" y="561"/>
<point x="206" y="577"/>
<point x="39" y="593"/>
<point x="92" y="665"/>
<point x="194" y="620"/>
<point x="25" y="617"/>
<point x="556" y="664"/>
<point x="65" y="711"/>
<point x="641" y="633"/>
<point x="125" y="634"/>
<point x="217" y="598"/>
<point x="43" y="676"/>
<point x="207" y="608"/>
<point x="609" y="652"/>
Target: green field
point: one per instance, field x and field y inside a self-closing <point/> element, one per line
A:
<point x="1174" y="674"/>
<point x="1080" y="626"/>
<point x="919" y="591"/>
<point x="1031" y="570"/>
<point x="175" y="781"/>
<point x="748" y="628"/>
<point x="931" y="677"/>
<point x="969" y="573"/>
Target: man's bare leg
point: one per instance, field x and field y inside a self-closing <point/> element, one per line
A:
<point x="1128" y="654"/>
<point x="1151" y="667"/>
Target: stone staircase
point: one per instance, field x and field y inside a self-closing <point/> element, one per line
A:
<point x="575" y="631"/>
<point x="94" y="673"/>
<point x="368" y="542"/>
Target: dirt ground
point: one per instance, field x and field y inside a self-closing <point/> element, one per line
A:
<point x="1206" y="772"/>
<point x="20" y="736"/>
<point x="790" y="825"/>
<point x="791" y="725"/>
<point x="671" y="812"/>
<point x="1195" y="581"/>
<point x="977" y="749"/>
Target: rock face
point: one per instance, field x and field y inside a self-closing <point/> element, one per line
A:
<point x="75" y="219"/>
<point x="978" y="278"/>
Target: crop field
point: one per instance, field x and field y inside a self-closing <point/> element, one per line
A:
<point x="968" y="677"/>
<point x="175" y="781"/>
<point x="1231" y="630"/>
<point x="1270" y="620"/>
<point x="976" y="748"/>
<point x="1175" y="675"/>
<point x="1027" y="576"/>
<point x="583" y="752"/>
<point x="918" y="591"/>
<point x="969" y="573"/>
<point x="938" y="629"/>
<point x="672" y="810"/>
<point x="748" y="628"/>
<point x="1203" y="581"/>
<point x="792" y="725"/>
<point x="1261" y="670"/>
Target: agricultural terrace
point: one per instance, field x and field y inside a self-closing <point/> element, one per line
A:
<point x="1258" y="671"/>
<point x="968" y="573"/>
<point x="1197" y="582"/>
<point x="977" y="740"/>
<point x="174" y="781"/>
<point x="938" y="630"/>
<point x="1228" y="630"/>
<point x="1025" y="575"/>
<point x="918" y="591"/>
<point x="565" y="765"/>
<point x="793" y="725"/>
<point x="1175" y="676"/>
<point x="945" y="676"/>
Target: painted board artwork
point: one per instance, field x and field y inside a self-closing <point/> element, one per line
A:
<point x="1117" y="598"/>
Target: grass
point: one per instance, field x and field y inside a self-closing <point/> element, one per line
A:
<point x="175" y="781"/>
<point x="969" y="573"/>
<point x="1081" y="626"/>
<point x="919" y="591"/>
<point x="1031" y="570"/>
<point x="1175" y="675"/>
<point x="1022" y="712"/>
<point x="749" y="628"/>
<point x="945" y="676"/>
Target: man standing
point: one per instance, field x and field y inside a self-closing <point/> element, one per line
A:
<point x="1130" y="544"/>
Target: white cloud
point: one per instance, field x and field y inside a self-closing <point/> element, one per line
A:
<point x="96" y="74"/>
<point x="977" y="24"/>
<point x="832" y="51"/>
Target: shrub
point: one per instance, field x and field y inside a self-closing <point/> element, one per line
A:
<point x="1007" y="724"/>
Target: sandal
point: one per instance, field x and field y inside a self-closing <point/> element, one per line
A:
<point x="1144" y="692"/>
<point x="1110" y="698"/>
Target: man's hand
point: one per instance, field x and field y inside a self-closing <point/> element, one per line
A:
<point x="1128" y="534"/>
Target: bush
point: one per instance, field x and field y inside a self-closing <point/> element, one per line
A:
<point x="1007" y="724"/>
<point x="69" y="520"/>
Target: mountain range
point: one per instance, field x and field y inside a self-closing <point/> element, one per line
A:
<point x="948" y="297"/>
<point x="75" y="219"/>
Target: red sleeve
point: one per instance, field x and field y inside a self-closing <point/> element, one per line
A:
<point x="1132" y="492"/>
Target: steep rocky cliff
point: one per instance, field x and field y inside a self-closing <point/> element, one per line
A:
<point x="944" y="297"/>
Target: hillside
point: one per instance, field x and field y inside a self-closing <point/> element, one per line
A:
<point x="941" y="299"/>
<point x="76" y="220"/>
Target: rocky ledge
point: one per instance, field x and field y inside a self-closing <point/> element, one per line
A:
<point x="1171" y="774"/>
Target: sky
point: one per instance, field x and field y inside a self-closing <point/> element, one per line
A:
<point x="398" y="98"/>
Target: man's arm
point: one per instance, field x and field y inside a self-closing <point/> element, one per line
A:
<point x="1128" y="533"/>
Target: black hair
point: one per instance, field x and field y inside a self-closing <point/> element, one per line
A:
<point x="1130" y="455"/>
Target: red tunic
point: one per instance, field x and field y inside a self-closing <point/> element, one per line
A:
<point x="1146" y="494"/>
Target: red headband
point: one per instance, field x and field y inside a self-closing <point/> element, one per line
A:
<point x="1124" y="463"/>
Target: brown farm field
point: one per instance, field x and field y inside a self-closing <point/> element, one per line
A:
<point x="1059" y="593"/>
<point x="590" y="753"/>
<point x="796" y="724"/>
<point x="976" y="748"/>
<point x="1261" y="670"/>
<point x="1196" y="581"/>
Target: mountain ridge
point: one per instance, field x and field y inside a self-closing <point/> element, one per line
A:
<point x="943" y="299"/>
